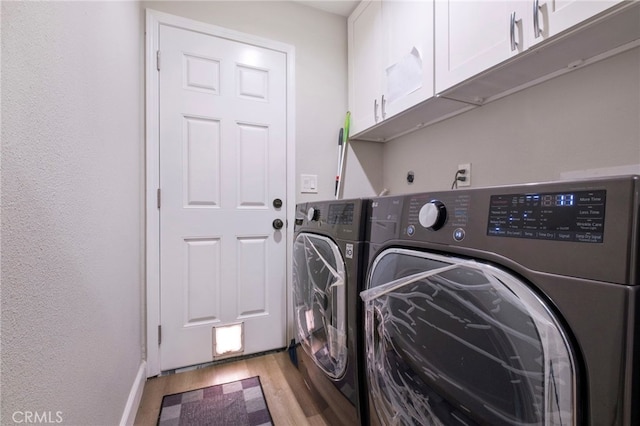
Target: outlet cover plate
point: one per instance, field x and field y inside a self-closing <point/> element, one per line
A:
<point x="467" y="181"/>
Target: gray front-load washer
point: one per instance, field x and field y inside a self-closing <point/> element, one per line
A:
<point x="329" y="257"/>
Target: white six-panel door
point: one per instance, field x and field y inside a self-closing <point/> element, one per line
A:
<point x="222" y="163"/>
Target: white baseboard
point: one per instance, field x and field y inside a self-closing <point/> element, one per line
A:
<point x="133" y="402"/>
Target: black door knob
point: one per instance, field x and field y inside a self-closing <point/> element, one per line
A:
<point x="278" y="224"/>
<point x="277" y="203"/>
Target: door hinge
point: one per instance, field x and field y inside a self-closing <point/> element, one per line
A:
<point x="159" y="335"/>
<point x="158" y="60"/>
<point x="158" y="197"/>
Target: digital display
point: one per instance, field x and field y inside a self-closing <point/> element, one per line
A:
<point x="562" y="216"/>
<point x="341" y="214"/>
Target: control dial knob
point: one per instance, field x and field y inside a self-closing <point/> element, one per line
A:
<point x="313" y="214"/>
<point x="433" y="215"/>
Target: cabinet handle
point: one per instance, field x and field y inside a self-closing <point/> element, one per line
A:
<point x="383" y="104"/>
<point x="537" y="32"/>
<point x="512" y="33"/>
<point x="375" y="110"/>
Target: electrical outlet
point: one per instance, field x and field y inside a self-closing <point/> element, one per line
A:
<point x="467" y="175"/>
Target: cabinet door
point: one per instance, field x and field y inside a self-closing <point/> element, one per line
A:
<point x="408" y="58"/>
<point x="365" y="65"/>
<point x="473" y="36"/>
<point x="551" y="17"/>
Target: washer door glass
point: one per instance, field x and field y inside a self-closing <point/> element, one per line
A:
<point x="320" y="302"/>
<point x="451" y="341"/>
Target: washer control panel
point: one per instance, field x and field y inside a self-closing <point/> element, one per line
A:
<point x="341" y="214"/>
<point x="341" y="219"/>
<point x="313" y="214"/>
<point x="562" y="216"/>
<point x="337" y="214"/>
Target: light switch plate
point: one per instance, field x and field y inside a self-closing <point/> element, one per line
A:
<point x="309" y="184"/>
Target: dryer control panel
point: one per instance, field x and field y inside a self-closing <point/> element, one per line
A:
<point x="562" y="216"/>
<point x="584" y="228"/>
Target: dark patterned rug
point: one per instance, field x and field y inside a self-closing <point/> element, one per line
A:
<point x="238" y="403"/>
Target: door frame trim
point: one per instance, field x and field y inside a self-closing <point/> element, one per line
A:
<point x="154" y="19"/>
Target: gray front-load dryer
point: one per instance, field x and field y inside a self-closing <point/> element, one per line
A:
<point x="511" y="305"/>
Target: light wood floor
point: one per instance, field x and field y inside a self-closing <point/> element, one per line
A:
<point x="288" y="398"/>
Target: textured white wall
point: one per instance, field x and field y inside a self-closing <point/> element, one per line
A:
<point x="320" y="41"/>
<point x="363" y="172"/>
<point x="587" y="119"/>
<point x="72" y="213"/>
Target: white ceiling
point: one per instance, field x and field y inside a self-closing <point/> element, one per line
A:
<point x="338" y="7"/>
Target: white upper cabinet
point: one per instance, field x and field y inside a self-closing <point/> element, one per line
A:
<point x="365" y="64"/>
<point x="414" y="63"/>
<point x="408" y="58"/>
<point x="472" y="36"/>
<point x="551" y="17"/>
<point x="390" y="59"/>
